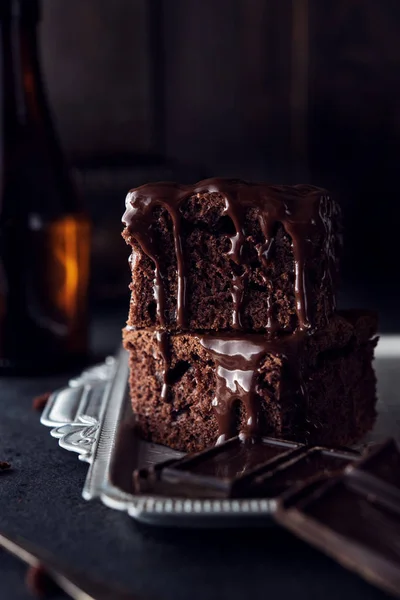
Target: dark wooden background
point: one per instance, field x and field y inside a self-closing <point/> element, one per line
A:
<point x="288" y="90"/>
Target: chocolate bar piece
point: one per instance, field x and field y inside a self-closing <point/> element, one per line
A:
<point x="239" y="468"/>
<point x="311" y="463"/>
<point x="226" y="469"/>
<point x="383" y="461"/>
<point x="354" y="518"/>
<point x="147" y="480"/>
<point x="215" y="472"/>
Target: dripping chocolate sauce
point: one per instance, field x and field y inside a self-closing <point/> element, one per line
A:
<point x="237" y="359"/>
<point x="299" y="209"/>
<point x="163" y="347"/>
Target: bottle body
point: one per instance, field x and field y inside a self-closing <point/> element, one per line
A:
<point x="44" y="232"/>
<point x="44" y="268"/>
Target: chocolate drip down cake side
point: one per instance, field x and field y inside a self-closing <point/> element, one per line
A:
<point x="233" y="326"/>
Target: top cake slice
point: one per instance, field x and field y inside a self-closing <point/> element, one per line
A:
<point x="226" y="254"/>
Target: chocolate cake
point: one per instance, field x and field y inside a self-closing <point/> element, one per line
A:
<point x="227" y="254"/>
<point x="232" y="325"/>
<point x="191" y="389"/>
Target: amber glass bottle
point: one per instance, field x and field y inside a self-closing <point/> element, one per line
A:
<point x="44" y="232"/>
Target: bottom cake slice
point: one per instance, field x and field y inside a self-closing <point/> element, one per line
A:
<point x="189" y="390"/>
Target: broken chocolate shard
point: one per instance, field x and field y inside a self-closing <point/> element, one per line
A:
<point x="146" y="480"/>
<point x="383" y="461"/>
<point x="252" y="468"/>
<point x="222" y="471"/>
<point x="355" y="517"/>
<point x="313" y="462"/>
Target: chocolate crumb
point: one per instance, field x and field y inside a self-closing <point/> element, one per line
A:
<point x="39" y="402"/>
<point x="39" y="582"/>
<point x="4" y="465"/>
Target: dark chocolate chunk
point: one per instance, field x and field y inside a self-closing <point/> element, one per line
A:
<point x="313" y="462"/>
<point x="147" y="480"/>
<point x="383" y="461"/>
<point x="236" y="468"/>
<point x="4" y="466"/>
<point x="234" y="458"/>
<point x="214" y="472"/>
<point x="355" y="518"/>
<point x="226" y="469"/>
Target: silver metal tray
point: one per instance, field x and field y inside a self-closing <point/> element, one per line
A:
<point x="92" y="416"/>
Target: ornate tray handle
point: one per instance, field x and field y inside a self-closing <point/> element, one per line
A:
<point x="74" y="412"/>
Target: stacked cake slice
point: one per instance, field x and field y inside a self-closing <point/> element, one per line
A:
<point x="232" y="325"/>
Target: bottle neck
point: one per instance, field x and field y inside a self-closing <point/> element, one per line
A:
<point x="31" y="157"/>
<point x="23" y="97"/>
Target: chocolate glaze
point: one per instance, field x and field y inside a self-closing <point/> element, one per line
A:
<point x="300" y="209"/>
<point x="163" y="348"/>
<point x="238" y="359"/>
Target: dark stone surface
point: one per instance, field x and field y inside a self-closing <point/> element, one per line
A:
<point x="41" y="500"/>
